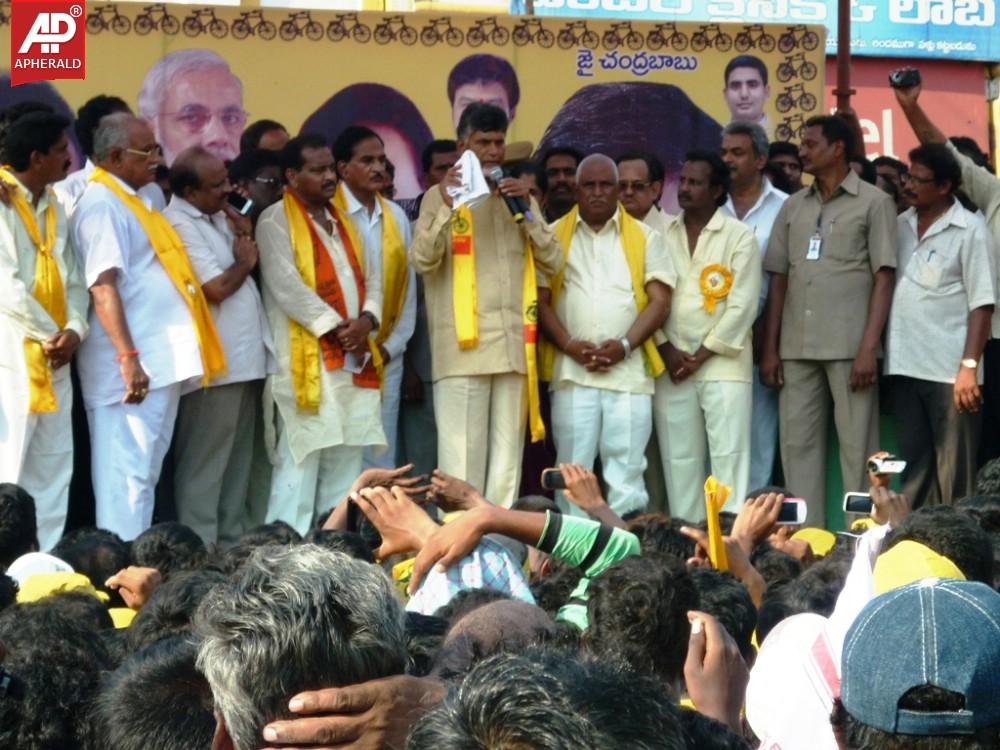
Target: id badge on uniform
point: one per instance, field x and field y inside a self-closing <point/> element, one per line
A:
<point x="815" y="245"/>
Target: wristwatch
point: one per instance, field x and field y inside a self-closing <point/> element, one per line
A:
<point x="371" y="317"/>
<point x="972" y="364"/>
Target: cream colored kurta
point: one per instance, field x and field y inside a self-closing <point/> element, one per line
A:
<point x="348" y="414"/>
<point x="726" y="331"/>
<point x="499" y="252"/>
<point x="597" y="303"/>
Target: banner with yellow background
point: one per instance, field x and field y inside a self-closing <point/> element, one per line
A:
<point x="596" y="85"/>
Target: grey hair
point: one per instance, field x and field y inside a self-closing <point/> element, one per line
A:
<point x="597" y="158"/>
<point x="290" y="619"/>
<point x="753" y="131"/>
<point x="160" y="77"/>
<point x="112" y="132"/>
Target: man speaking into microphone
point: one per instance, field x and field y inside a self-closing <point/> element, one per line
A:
<point x="479" y="266"/>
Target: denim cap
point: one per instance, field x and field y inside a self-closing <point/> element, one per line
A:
<point x="939" y="632"/>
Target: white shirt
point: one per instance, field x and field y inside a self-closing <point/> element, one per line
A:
<point x="760" y="218"/>
<point x="69" y="190"/>
<point x="944" y="276"/>
<point x="107" y="235"/>
<point x="369" y="228"/>
<point x="239" y="319"/>
<point x="597" y="303"/>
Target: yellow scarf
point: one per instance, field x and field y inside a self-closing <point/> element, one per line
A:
<point x="173" y="257"/>
<point x="467" y="314"/>
<point x="394" y="269"/>
<point x="304" y="348"/>
<point x="633" y="242"/>
<point x="48" y="290"/>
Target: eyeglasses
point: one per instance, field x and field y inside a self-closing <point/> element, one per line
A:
<point x="269" y="181"/>
<point x="196" y="118"/>
<point x="908" y="177"/>
<point x="148" y="153"/>
<point x="634" y="186"/>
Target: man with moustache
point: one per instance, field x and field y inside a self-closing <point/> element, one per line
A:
<point x="756" y="202"/>
<point x="559" y="164"/>
<point x="324" y="302"/>
<point x="150" y="327"/>
<point x="938" y="326"/>
<point x="384" y="232"/>
<point x="831" y="260"/>
<point x="704" y="397"/>
<point x="479" y="266"/>
<point x="602" y="360"/>
<point x="43" y="302"/>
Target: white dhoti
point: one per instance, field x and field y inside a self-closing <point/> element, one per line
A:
<point x="587" y="422"/>
<point x="127" y="445"/>
<point x="36" y="450"/>
<point x="392" y="387"/>
<point x="703" y="427"/>
<point x="481" y="421"/>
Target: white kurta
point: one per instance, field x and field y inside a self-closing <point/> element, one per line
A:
<point x="348" y="414"/>
<point x="34" y="450"/>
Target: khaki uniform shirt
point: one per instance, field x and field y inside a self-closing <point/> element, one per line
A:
<point x="826" y="306"/>
<point x="499" y="252"/>
<point x="730" y="243"/>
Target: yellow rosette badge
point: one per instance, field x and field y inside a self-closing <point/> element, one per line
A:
<point x="716" y="281"/>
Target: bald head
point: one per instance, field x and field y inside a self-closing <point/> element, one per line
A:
<point x="199" y="177"/>
<point x="597" y="189"/>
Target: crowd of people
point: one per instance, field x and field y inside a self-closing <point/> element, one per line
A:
<point x="251" y="345"/>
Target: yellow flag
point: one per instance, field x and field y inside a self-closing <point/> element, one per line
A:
<point x="716" y="495"/>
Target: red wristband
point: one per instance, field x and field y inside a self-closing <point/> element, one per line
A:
<point x="125" y="355"/>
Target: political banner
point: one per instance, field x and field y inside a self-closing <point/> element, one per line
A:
<point x="201" y="74"/>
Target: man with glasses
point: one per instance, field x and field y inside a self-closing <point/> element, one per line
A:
<point x="601" y="375"/>
<point x="191" y="98"/>
<point x="754" y="201"/>
<point x="150" y="326"/>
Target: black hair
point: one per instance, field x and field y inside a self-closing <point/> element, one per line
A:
<point x="970" y="148"/>
<point x="775" y="566"/>
<point x="291" y="155"/>
<point x="719" y="174"/>
<point x="183" y="176"/>
<point x="437" y="146"/>
<point x="349" y="542"/>
<point x="8" y="591"/>
<point x="641" y="108"/>
<point x="653" y="164"/>
<point x="778" y="178"/>
<point x="705" y="733"/>
<point x="348" y="139"/>
<point x="40" y="96"/>
<point x="888" y="161"/>
<point x="940" y="161"/>
<point x="574" y="153"/>
<point x="868" y="172"/>
<point x="485" y="68"/>
<point x="728" y="601"/>
<point x="18" y="523"/>
<point x="97" y="554"/>
<point x="638" y="611"/>
<point x="924" y="698"/>
<point x="80" y="606"/>
<point x="156" y="699"/>
<point x="170" y="608"/>
<point x="536" y="504"/>
<point x="815" y="590"/>
<point x="483" y="118"/>
<point x="784" y="148"/>
<point x="88" y="117"/>
<point x="526" y="166"/>
<point x="249" y="164"/>
<point x="168" y="547"/>
<point x="276" y="532"/>
<point x="36" y="131"/>
<point x="553" y="591"/>
<point x="467" y="600"/>
<point x="952" y="534"/>
<point x="424" y="637"/>
<point x="745" y="61"/>
<point x="988" y="478"/>
<point x="835" y="129"/>
<point x="250" y="139"/>
<point x="660" y="534"/>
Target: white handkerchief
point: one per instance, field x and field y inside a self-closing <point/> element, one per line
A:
<point x="474" y="186"/>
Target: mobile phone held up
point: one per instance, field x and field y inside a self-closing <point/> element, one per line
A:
<point x="857" y="502"/>
<point x="242" y="205"/>
<point x="793" y="512"/>
<point x="904" y="78"/>
<point x="552" y="479"/>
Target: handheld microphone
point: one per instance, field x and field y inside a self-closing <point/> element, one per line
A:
<point x="518" y="207"/>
